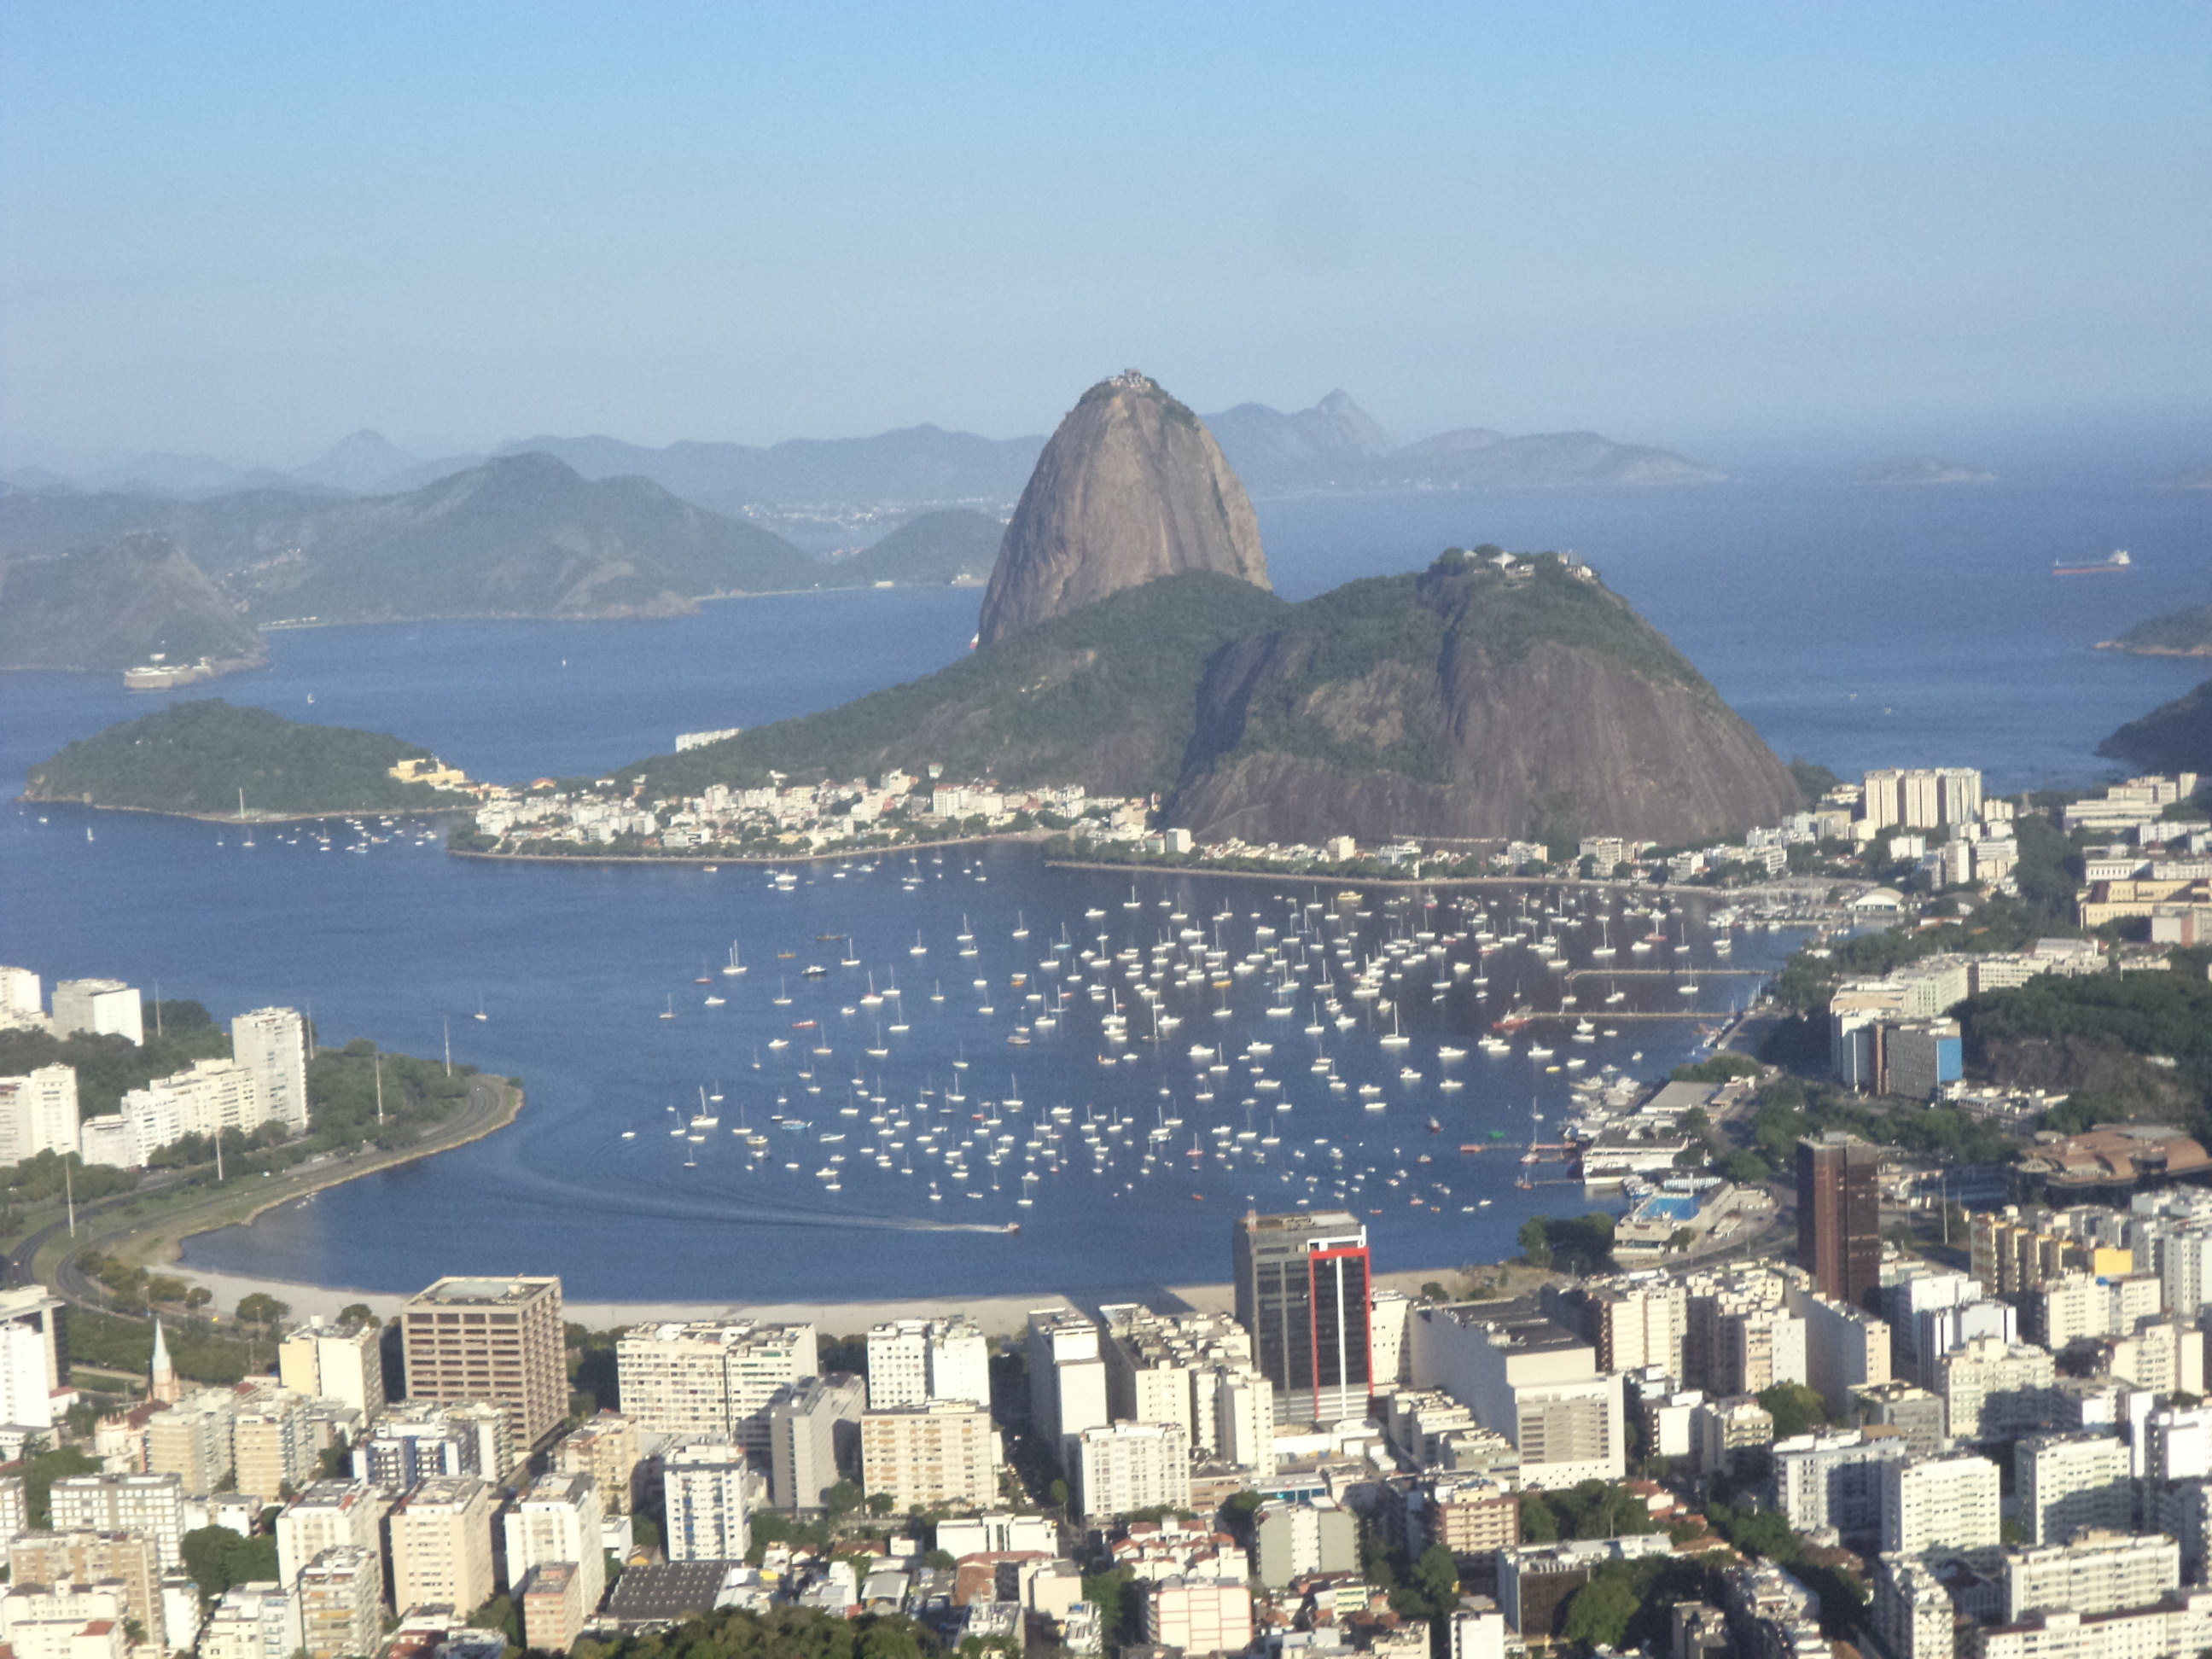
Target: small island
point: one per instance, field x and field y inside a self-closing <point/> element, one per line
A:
<point x="197" y="759"/>
<point x="2186" y="633"/>
<point x="1928" y="470"/>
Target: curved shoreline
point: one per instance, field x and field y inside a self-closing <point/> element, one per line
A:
<point x="168" y="1233"/>
<point x="688" y="860"/>
<point x="248" y="823"/>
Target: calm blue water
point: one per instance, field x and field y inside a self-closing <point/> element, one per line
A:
<point x="1936" y="608"/>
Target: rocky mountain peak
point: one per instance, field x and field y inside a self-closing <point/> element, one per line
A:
<point x="1132" y="487"/>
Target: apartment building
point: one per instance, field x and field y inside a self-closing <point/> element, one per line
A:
<point x="558" y="1519"/>
<point x="2071" y="1484"/>
<point x="1123" y="1467"/>
<point x="946" y="1454"/>
<point x="912" y="1362"/>
<point x="340" y="1594"/>
<point x="495" y="1339"/>
<point x="1948" y="1501"/>
<point x="339" y="1363"/>
<point x="440" y="1542"/>
<point x="703" y="1482"/>
<point x="150" y="1504"/>
<point x="328" y="1514"/>
<point x="712" y="1378"/>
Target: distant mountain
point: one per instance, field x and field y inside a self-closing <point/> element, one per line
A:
<point x="522" y="536"/>
<point x="221" y="533"/>
<point x="364" y="463"/>
<point x="1333" y="442"/>
<point x="1483" y="698"/>
<point x="919" y="464"/>
<point x="1132" y="488"/>
<point x="1926" y="470"/>
<point x="2177" y="633"/>
<point x="2175" y="737"/>
<point x="118" y="606"/>
<point x="1337" y="446"/>
<point x="952" y="544"/>
<point x="196" y="758"/>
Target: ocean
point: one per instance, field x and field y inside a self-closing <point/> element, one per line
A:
<point x="1853" y="627"/>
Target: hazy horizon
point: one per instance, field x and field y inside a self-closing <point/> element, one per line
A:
<point x="1757" y="238"/>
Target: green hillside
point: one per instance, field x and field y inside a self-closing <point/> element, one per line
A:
<point x="1105" y="696"/>
<point x="194" y="757"/>
<point x="936" y="547"/>
<point x="2177" y="633"/>
<point x="2175" y="737"/>
<point x="117" y="606"/>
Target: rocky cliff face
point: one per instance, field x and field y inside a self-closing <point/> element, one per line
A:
<point x="1131" y="488"/>
<point x="1470" y="701"/>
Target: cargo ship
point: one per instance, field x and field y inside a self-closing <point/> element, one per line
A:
<point x="2118" y="561"/>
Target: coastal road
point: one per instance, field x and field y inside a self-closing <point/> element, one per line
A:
<point x="487" y="1101"/>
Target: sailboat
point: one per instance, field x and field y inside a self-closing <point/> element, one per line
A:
<point x="782" y="997"/>
<point x="733" y="968"/>
<point x="480" y="1013"/>
<point x="1397" y="1038"/>
<point x="917" y="949"/>
<point x="670" y="1011"/>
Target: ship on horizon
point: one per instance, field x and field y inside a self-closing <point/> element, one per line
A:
<point x="2118" y="561"/>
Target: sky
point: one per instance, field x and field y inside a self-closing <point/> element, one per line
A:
<point x="246" y="229"/>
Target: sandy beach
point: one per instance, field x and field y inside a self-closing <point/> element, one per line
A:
<point x="997" y="1314"/>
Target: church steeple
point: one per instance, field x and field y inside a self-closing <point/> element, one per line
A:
<point x="163" y="1384"/>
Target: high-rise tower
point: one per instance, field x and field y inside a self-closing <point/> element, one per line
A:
<point x="1302" y="1293"/>
<point x="1839" y="1216"/>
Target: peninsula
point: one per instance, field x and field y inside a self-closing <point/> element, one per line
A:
<point x="197" y="759"/>
<point x="1134" y="666"/>
<point x="136" y="603"/>
<point x="2185" y="633"/>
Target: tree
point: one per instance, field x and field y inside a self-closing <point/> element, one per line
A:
<point x="499" y="1614"/>
<point x="1794" y="1408"/>
<point x="1436" y="1579"/>
<point x="260" y="1308"/>
<point x="359" y="1313"/>
<point x="1433" y="1291"/>
<point x="1535" y="1244"/>
<point x="1540" y="1523"/>
<point x="1598" y="1615"/>
<point x="217" y="1558"/>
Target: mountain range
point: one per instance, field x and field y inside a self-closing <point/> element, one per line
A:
<point x="1335" y="446"/>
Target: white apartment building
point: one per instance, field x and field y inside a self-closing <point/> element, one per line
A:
<point x="26" y="1400"/>
<point x="943" y="1454"/>
<point x="101" y="1007"/>
<point x="1845" y="1347"/>
<point x="558" y="1519"/>
<point x="271" y="1044"/>
<point x="38" y="1114"/>
<point x="712" y="1378"/>
<point x="2070" y="1484"/>
<point x="704" y="1481"/>
<point x="213" y="1096"/>
<point x="1834" y="1480"/>
<point x="1947" y="1501"/>
<point x="1531" y="1381"/>
<point x="2097" y="1573"/>
<point x="1067" y="1376"/>
<point x="329" y="1515"/>
<point x="2178" y="1444"/>
<point x="1993" y="1389"/>
<point x="252" y="1621"/>
<point x="2173" y="1628"/>
<point x="1131" y="1465"/>
<point x="2077" y="1305"/>
<point x="912" y="1362"/>
<point x="152" y="1504"/>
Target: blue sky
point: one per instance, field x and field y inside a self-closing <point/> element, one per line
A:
<point x="247" y="229"/>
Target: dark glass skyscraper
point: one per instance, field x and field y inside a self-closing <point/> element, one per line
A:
<point x="1839" y="1216"/>
<point x="1302" y="1291"/>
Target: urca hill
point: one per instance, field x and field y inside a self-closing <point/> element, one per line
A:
<point x="1130" y="644"/>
